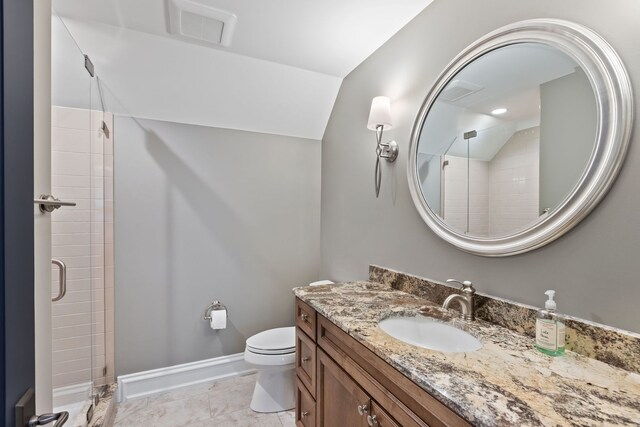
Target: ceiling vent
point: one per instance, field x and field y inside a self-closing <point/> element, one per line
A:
<point x="458" y="89"/>
<point x="199" y="22"/>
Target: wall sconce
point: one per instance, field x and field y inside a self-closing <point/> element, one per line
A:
<point x="380" y="120"/>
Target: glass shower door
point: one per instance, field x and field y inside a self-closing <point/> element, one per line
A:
<point x="102" y="375"/>
<point x="78" y="326"/>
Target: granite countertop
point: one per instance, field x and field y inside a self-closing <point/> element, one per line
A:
<point x="505" y="383"/>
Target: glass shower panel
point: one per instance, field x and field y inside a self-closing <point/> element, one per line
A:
<point x="74" y="143"/>
<point x="99" y="130"/>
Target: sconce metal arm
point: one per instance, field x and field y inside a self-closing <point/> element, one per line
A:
<point x="385" y="150"/>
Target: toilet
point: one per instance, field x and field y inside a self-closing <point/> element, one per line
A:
<point x="273" y="354"/>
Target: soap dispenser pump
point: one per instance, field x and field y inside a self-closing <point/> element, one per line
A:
<point x="550" y="303"/>
<point x="550" y="329"/>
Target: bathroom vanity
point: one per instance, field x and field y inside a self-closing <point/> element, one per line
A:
<point x="341" y="382"/>
<point x="351" y="373"/>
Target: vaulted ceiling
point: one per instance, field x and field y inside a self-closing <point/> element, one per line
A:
<point x="280" y="74"/>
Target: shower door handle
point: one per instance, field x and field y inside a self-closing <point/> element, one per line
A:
<point x="48" y="203"/>
<point x="25" y="413"/>
<point x="62" y="275"/>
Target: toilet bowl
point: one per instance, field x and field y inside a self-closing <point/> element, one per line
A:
<point x="273" y="354"/>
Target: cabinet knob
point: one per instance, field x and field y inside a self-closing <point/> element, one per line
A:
<point x="304" y="414"/>
<point x="304" y="317"/>
<point x="372" y="420"/>
<point x="306" y="359"/>
<point x="363" y="409"/>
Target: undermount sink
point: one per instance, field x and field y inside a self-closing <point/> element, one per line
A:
<point x="425" y="332"/>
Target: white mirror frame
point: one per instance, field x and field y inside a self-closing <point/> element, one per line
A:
<point x="614" y="101"/>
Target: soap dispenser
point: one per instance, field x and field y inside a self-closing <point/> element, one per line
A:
<point x="550" y="328"/>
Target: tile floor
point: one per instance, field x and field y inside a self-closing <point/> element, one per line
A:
<point x="221" y="404"/>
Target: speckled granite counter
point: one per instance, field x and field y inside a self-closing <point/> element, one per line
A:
<point x="506" y="383"/>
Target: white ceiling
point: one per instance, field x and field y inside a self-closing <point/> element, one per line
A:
<point x="159" y="78"/>
<point x="329" y="36"/>
<point x="280" y="75"/>
<point x="511" y="77"/>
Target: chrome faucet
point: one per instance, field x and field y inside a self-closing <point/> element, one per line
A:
<point x="465" y="300"/>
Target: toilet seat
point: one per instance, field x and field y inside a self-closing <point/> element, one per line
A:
<point x="273" y="341"/>
<point x="271" y="352"/>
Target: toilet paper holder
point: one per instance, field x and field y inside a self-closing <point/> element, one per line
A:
<point x="214" y="306"/>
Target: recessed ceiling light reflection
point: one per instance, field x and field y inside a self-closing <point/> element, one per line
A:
<point x="499" y="111"/>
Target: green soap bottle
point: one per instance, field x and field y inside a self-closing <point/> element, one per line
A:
<point x="550" y="330"/>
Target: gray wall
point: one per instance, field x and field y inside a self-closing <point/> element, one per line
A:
<point x="204" y="214"/>
<point x="568" y="117"/>
<point x="594" y="268"/>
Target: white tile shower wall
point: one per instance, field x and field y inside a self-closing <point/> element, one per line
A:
<point x="514" y="183"/>
<point x="455" y="192"/>
<point x="478" y="197"/>
<point x="82" y="322"/>
<point x="455" y="195"/>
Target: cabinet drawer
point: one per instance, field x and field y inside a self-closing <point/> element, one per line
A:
<point x="305" y="407"/>
<point x="306" y="361"/>
<point x="379" y="418"/>
<point x="306" y="319"/>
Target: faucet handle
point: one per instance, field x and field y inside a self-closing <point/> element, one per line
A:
<point x="466" y="285"/>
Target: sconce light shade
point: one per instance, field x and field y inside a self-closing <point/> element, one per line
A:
<point x="380" y="113"/>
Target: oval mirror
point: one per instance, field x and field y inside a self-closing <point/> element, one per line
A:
<point x="520" y="137"/>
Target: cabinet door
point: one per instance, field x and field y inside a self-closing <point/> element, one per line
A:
<point x="379" y="418"/>
<point x="340" y="401"/>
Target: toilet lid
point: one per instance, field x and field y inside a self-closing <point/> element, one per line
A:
<point x="273" y="341"/>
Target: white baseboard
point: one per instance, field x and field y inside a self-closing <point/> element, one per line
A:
<point x="147" y="383"/>
<point x="71" y="394"/>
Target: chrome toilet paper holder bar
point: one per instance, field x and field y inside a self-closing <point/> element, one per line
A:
<point x="214" y="306"/>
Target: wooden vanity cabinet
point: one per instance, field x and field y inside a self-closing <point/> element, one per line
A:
<point x="352" y="387"/>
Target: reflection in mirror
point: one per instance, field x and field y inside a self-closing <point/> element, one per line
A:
<point x="535" y="116"/>
<point x="520" y="137"/>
